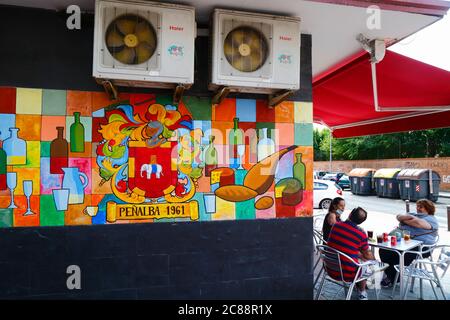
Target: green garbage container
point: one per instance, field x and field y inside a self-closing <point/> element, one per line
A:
<point x="386" y="183"/>
<point x="415" y="184"/>
<point x="361" y="181"/>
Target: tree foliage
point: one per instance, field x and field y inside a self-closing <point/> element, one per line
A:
<point x="411" y="144"/>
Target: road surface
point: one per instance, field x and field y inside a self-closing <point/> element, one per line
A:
<point x="392" y="206"/>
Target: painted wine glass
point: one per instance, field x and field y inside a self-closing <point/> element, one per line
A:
<point x="27" y="191"/>
<point x="11" y="182"/>
<point x="241" y="153"/>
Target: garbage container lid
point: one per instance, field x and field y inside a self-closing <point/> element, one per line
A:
<point x="386" y="173"/>
<point x="361" y="172"/>
<point x="413" y="174"/>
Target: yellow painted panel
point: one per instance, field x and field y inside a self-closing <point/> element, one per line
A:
<point x="28" y="101"/>
<point x="303" y="112"/>
<point x="225" y="210"/>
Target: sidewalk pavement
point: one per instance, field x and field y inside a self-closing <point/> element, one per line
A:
<point x="444" y="194"/>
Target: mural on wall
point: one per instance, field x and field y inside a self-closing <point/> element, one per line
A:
<point x="76" y="158"/>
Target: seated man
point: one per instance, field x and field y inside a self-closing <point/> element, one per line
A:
<point x="350" y="239"/>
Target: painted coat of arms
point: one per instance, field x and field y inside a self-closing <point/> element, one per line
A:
<point x="149" y="155"/>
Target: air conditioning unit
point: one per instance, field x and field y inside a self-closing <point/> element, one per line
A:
<point x="255" y="52"/>
<point x="144" y="44"/>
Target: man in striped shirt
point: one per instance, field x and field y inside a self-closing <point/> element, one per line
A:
<point x="351" y="239"/>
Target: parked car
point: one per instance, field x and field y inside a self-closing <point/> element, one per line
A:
<point x="319" y="174"/>
<point x="335" y="176"/>
<point x="324" y="192"/>
<point x="344" y="182"/>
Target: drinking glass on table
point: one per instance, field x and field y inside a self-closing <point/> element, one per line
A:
<point x="380" y="238"/>
<point x="406" y="235"/>
<point x="370" y="234"/>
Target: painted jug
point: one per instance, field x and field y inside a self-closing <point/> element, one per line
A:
<point x="76" y="182"/>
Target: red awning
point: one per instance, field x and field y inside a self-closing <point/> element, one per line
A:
<point x="343" y="100"/>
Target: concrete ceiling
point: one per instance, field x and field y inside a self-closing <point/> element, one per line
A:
<point x="333" y="27"/>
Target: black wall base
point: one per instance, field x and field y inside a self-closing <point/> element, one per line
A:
<point x="251" y="259"/>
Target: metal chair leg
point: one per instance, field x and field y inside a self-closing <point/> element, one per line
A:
<point x="421" y="284"/>
<point x="395" y="285"/>
<point x="377" y="293"/>
<point x="439" y="282"/>
<point x="434" y="291"/>
<point x="319" y="291"/>
<point x="350" y="291"/>
<point x="412" y="284"/>
<point x="405" y="292"/>
<point x="316" y="264"/>
<point x="318" y="277"/>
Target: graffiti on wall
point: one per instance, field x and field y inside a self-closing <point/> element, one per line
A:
<point x="75" y="158"/>
<point x="441" y="165"/>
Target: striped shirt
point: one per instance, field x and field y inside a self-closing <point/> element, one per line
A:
<point x="350" y="239"/>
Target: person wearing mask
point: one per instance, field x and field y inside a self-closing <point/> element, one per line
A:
<point x="422" y="226"/>
<point x="349" y="238"/>
<point x="335" y="211"/>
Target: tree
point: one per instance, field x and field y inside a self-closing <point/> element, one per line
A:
<point x="411" y="144"/>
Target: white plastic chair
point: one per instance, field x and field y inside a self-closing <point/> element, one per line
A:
<point x="332" y="258"/>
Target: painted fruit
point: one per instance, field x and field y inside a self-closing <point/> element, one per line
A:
<point x="235" y="193"/>
<point x="264" y="203"/>
<point x="290" y="191"/>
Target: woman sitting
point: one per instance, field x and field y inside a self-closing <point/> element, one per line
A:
<point x="422" y="226"/>
<point x="335" y="211"/>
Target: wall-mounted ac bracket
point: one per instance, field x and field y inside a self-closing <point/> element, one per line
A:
<point x="220" y="95"/>
<point x="110" y="89"/>
<point x="279" y="97"/>
<point x="178" y="93"/>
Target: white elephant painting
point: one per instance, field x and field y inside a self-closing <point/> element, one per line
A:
<point x="149" y="169"/>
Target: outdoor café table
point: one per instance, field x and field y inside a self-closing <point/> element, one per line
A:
<point x="401" y="248"/>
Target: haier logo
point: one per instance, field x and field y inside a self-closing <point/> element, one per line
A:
<point x="176" y="28"/>
<point x="285" y="38"/>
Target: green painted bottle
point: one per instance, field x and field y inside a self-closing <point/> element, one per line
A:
<point x="211" y="157"/>
<point x="3" y="170"/>
<point x="77" y="134"/>
<point x="235" y="139"/>
<point x="300" y="170"/>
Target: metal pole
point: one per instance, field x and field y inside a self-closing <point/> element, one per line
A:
<point x="407" y="206"/>
<point x="331" y="151"/>
<point x="430" y="181"/>
<point x="448" y="218"/>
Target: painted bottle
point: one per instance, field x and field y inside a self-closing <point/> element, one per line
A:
<point x="236" y="138"/>
<point x="15" y="148"/>
<point x="77" y="134"/>
<point x="266" y="146"/>
<point x="300" y="170"/>
<point x="59" y="153"/>
<point x="211" y="160"/>
<point x="3" y="185"/>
